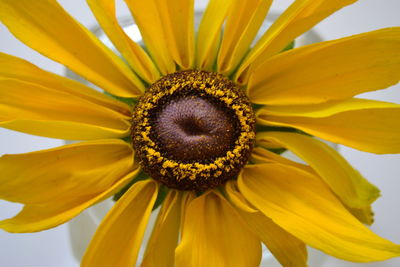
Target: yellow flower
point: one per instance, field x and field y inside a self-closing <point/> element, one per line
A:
<point x="194" y="131"/>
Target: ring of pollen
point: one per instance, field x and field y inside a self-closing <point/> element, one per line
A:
<point x="213" y="115"/>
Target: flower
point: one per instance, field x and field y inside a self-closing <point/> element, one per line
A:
<point x="210" y="147"/>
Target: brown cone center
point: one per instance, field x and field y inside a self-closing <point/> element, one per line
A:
<point x="194" y="128"/>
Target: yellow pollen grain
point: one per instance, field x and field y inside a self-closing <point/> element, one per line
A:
<point x="169" y="164"/>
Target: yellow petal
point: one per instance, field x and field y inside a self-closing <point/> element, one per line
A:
<point x="237" y="199"/>
<point x="40" y="110"/>
<point x="287" y="249"/>
<point x="208" y="36"/>
<point x="242" y="25"/>
<point x="301" y="16"/>
<point x="365" y="214"/>
<point x="47" y="28"/>
<point x="117" y="240"/>
<point x="38" y="217"/>
<point x="302" y="205"/>
<point x="187" y="197"/>
<point x="329" y="71"/>
<point x="138" y="60"/>
<point x="215" y="235"/>
<point x="15" y="68"/>
<point x="63" y="172"/>
<point x="323" y="110"/>
<point x="62" y="129"/>
<point x="346" y="182"/>
<point x="261" y="155"/>
<point x="164" y="238"/>
<point x="147" y="17"/>
<point x="177" y="17"/>
<point x="366" y="125"/>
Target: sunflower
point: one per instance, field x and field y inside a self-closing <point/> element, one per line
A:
<point x="197" y="125"/>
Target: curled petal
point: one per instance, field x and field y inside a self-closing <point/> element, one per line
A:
<point x="303" y="205"/>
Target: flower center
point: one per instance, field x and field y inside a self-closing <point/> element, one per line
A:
<point x="193" y="130"/>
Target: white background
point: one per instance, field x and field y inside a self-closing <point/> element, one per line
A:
<point x="51" y="249"/>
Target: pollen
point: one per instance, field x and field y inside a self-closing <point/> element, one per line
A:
<point x="193" y="130"/>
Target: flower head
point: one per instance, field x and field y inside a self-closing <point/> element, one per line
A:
<point x="203" y="119"/>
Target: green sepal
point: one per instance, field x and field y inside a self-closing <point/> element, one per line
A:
<point x="140" y="177"/>
<point x="129" y="101"/>
<point x="278" y="151"/>
<point x="127" y="139"/>
<point x="264" y="128"/>
<point x="256" y="107"/>
<point x="290" y="46"/>
<point x="162" y="193"/>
